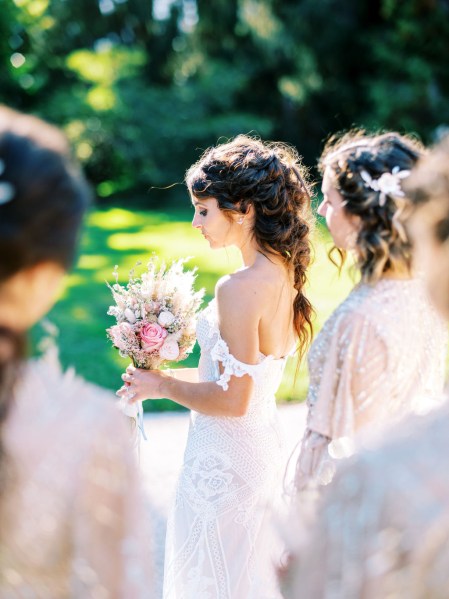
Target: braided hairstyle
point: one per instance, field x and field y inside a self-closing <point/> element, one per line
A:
<point x="42" y="200"/>
<point x="382" y="244"/>
<point x="268" y="176"/>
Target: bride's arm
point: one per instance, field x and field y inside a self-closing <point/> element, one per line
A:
<point x="188" y="375"/>
<point x="239" y="323"/>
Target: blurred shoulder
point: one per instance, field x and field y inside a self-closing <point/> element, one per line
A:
<point x="67" y="399"/>
<point x="413" y="450"/>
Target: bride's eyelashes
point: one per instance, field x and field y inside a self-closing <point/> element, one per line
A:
<point x="203" y="212"/>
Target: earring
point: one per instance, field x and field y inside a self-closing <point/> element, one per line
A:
<point x="240" y="221"/>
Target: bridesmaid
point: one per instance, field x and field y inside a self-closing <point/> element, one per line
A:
<point x="71" y="516"/>
<point x="384" y="526"/>
<point x="381" y="353"/>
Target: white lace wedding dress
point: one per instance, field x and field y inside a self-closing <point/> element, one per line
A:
<point x="219" y="538"/>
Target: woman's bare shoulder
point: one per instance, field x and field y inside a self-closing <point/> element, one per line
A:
<point x="248" y="287"/>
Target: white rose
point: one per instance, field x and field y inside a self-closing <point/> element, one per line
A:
<point x="169" y="350"/>
<point x="166" y="319"/>
<point x="130" y="316"/>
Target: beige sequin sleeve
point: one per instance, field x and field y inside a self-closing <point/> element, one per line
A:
<point x="351" y="394"/>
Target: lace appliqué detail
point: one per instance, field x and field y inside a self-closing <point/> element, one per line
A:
<point x="231" y="366"/>
<point x="219" y="352"/>
<point x="231" y="473"/>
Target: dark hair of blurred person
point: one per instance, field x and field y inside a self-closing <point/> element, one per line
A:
<point x="43" y="196"/>
<point x="71" y="514"/>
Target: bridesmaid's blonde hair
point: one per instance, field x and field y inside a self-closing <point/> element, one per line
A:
<point x="357" y="161"/>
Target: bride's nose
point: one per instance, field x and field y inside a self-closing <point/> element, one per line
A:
<point x="196" y="222"/>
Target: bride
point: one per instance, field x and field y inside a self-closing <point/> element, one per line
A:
<point x="251" y="195"/>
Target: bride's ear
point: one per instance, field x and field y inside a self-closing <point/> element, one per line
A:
<point x="246" y="216"/>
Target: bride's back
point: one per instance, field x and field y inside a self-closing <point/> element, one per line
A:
<point x="274" y="303"/>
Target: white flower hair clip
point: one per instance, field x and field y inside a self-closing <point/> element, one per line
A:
<point x="386" y="184"/>
<point x="7" y="190"/>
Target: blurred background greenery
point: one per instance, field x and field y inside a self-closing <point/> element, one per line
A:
<point x="141" y="87"/>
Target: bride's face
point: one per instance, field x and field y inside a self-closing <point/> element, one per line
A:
<point x="216" y="227"/>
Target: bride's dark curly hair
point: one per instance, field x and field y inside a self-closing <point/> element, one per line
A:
<point x="270" y="177"/>
<point x="382" y="244"/>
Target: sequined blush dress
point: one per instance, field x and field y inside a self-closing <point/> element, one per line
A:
<point x="383" y="527"/>
<point x="72" y="516"/>
<point x="380" y="355"/>
<point x="219" y="535"/>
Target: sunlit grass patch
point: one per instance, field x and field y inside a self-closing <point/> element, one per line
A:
<point x="116" y="236"/>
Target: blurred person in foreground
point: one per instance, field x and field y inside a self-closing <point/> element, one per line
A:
<point x="71" y="520"/>
<point x="383" y="527"/>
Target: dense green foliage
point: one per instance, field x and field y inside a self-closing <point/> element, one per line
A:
<point x="140" y="94"/>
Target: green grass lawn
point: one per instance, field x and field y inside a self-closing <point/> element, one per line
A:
<point x="118" y="236"/>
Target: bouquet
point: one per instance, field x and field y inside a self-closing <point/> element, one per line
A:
<point x="156" y="318"/>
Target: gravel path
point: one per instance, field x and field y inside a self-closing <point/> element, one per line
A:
<point x="161" y="459"/>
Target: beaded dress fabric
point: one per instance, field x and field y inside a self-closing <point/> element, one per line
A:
<point x="383" y="527"/>
<point x="72" y="519"/>
<point x="380" y="355"/>
<point x="219" y="534"/>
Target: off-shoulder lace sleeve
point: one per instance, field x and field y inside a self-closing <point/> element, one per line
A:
<point x="352" y="392"/>
<point x="231" y="366"/>
<point x="112" y="556"/>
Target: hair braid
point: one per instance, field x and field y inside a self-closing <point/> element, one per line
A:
<point x="270" y="177"/>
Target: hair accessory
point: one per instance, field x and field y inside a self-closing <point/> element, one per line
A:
<point x="7" y="190"/>
<point x="386" y="184"/>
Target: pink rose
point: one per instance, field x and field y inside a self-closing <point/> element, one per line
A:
<point x="152" y="336"/>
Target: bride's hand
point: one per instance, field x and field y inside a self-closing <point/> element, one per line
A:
<point x="141" y="384"/>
